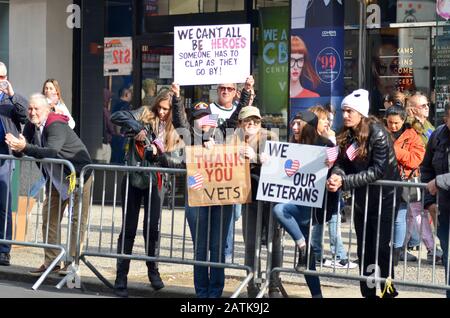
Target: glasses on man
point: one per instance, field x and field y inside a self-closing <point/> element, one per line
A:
<point x="227" y="88"/>
<point x="299" y="62"/>
<point x="255" y="121"/>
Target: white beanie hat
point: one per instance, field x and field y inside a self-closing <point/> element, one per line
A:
<point x="359" y="101"/>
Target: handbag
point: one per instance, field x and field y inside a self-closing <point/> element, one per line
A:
<point x="411" y="194"/>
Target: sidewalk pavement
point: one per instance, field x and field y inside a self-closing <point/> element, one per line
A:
<point x="178" y="278"/>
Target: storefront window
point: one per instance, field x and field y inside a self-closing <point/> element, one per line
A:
<point x="175" y="7"/>
<point x="399" y="61"/>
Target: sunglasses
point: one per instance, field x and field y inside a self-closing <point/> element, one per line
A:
<point x="228" y="89"/>
<point x="254" y="120"/>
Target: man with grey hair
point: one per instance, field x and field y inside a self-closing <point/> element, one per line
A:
<point x="13" y="112"/>
<point x="48" y="135"/>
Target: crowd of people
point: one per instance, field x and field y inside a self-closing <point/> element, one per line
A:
<point x="402" y="146"/>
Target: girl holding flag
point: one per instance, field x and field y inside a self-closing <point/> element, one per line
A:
<point x="208" y="225"/>
<point x="367" y="155"/>
<point x="296" y="219"/>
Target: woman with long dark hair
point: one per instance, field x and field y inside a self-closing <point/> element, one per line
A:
<point x="367" y="155"/>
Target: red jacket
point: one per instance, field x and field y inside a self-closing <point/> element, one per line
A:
<point x="410" y="151"/>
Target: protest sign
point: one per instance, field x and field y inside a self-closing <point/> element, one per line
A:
<point x="218" y="176"/>
<point x="212" y="54"/>
<point x="294" y="173"/>
<point x="118" y="56"/>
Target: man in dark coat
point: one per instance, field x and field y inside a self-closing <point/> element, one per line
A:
<point x="48" y="135"/>
<point x="435" y="171"/>
<point x="13" y="112"/>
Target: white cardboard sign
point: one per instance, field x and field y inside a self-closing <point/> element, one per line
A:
<point x="212" y="54"/>
<point x="294" y="173"/>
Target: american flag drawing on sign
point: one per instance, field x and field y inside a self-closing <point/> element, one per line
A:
<point x="196" y="181"/>
<point x="291" y="167"/>
<point x="332" y="153"/>
<point x="352" y="151"/>
<point x="209" y="120"/>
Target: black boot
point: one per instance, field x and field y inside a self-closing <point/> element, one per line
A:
<point x="302" y="256"/>
<point x="152" y="267"/>
<point x="122" y="269"/>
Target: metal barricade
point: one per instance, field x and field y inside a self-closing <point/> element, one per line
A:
<point x="414" y="274"/>
<point x="53" y="236"/>
<point x="173" y="244"/>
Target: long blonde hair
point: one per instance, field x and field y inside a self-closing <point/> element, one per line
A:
<point x="150" y="116"/>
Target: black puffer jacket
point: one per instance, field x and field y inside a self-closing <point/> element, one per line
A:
<point x="436" y="164"/>
<point x="381" y="164"/>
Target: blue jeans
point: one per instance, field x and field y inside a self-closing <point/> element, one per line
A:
<point x="117" y="149"/>
<point x="6" y="170"/>
<point x="442" y="233"/>
<point x="229" y="248"/>
<point x="209" y="281"/>
<point x="296" y="219"/>
<point x="400" y="226"/>
<point x="336" y="245"/>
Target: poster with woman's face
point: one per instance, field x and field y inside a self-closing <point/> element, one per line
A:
<point x="316" y="63"/>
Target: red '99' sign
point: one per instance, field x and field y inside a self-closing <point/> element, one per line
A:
<point x="327" y="61"/>
<point x="121" y="56"/>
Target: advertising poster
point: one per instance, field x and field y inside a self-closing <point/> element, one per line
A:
<point x="212" y="54"/>
<point x="316" y="65"/>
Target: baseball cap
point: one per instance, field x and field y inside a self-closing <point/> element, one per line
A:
<point x="249" y="111"/>
<point x="200" y="109"/>
<point x="308" y="117"/>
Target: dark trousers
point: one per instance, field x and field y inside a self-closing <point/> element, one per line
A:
<point x="5" y="204"/>
<point x="131" y="217"/>
<point x="249" y="219"/>
<point x="368" y="289"/>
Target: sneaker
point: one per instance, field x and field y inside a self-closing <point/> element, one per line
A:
<point x="39" y="271"/>
<point x="344" y="263"/>
<point x="409" y="257"/>
<point x="438" y="256"/>
<point x="325" y="263"/>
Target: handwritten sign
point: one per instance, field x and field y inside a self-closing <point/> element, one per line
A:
<point x="293" y="174"/>
<point x="118" y="56"/>
<point x="218" y="176"/>
<point x="212" y="54"/>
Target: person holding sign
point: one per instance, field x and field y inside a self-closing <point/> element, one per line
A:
<point x="208" y="224"/>
<point x="252" y="139"/>
<point x="296" y="219"/>
<point x="301" y="69"/>
<point x="153" y="136"/>
<point x="367" y="155"/>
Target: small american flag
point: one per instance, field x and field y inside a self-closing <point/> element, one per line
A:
<point x="196" y="181"/>
<point x="291" y="167"/>
<point x="332" y="153"/>
<point x="159" y="144"/>
<point x="352" y="151"/>
<point x="209" y="120"/>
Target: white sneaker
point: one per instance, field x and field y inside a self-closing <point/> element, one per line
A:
<point x="228" y="259"/>
<point x="344" y="263"/>
<point x="325" y="263"/>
